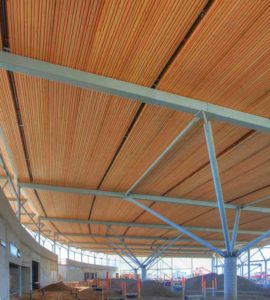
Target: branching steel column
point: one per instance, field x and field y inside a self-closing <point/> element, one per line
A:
<point x="176" y="226"/>
<point x="217" y="183"/>
<point x="131" y="255"/>
<point x="160" y="251"/>
<point x="115" y="248"/>
<point x="235" y="229"/>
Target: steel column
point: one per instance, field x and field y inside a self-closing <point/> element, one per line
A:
<point x="230" y="278"/>
<point x="218" y="189"/>
<point x="248" y="264"/>
<point x="143" y="273"/>
<point x="177" y="227"/>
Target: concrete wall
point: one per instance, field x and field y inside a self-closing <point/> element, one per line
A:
<point x="12" y="232"/>
<point x="71" y="270"/>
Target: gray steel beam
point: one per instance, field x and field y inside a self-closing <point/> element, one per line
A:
<point x="139" y="246"/>
<point x="142" y="225"/>
<point x="159" y="158"/>
<point x="121" y="195"/>
<point x="134" y="237"/>
<point x="52" y="72"/>
<point x="217" y="183"/>
<point x="176" y="226"/>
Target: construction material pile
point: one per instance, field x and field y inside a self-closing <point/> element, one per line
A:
<point x="195" y="283"/>
<point x="55" y="287"/>
<point x="148" y="287"/>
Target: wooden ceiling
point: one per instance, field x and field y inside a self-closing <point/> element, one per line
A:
<point x="216" y="51"/>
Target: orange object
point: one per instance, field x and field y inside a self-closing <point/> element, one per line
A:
<point x="107" y="283"/>
<point x="139" y="285"/>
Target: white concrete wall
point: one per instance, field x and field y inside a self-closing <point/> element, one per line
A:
<point x="72" y="270"/>
<point x="12" y="231"/>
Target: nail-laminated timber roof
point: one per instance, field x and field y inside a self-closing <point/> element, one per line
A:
<point x="82" y="138"/>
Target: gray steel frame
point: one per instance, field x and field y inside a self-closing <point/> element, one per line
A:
<point x="81" y="79"/>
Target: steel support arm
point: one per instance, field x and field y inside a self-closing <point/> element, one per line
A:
<point x="176" y="226"/>
<point x="218" y="189"/>
<point x="53" y="72"/>
<point x="235" y="229"/>
<point x="159" y="158"/>
<point x="254" y="242"/>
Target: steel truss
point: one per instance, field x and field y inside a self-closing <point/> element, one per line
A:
<point x="201" y="110"/>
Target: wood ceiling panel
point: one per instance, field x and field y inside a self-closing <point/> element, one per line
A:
<point x="71" y="228"/>
<point x="72" y="134"/>
<point x="64" y="205"/>
<point x="187" y="158"/>
<point x="8" y="123"/>
<point x="112" y="209"/>
<point x="226" y="60"/>
<point x="128" y="40"/>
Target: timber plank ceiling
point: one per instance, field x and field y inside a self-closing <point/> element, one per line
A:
<point x="216" y="51"/>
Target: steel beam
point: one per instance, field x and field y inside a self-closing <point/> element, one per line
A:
<point x="135" y="237"/>
<point x="53" y="72"/>
<point x="176" y="226"/>
<point x="121" y="195"/>
<point x="254" y="242"/>
<point x="137" y="246"/>
<point x="142" y="225"/>
<point x="217" y="183"/>
<point x="160" y="157"/>
<point x="235" y="229"/>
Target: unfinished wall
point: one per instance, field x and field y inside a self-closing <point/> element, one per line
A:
<point x="12" y="232"/>
<point x="72" y="270"/>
